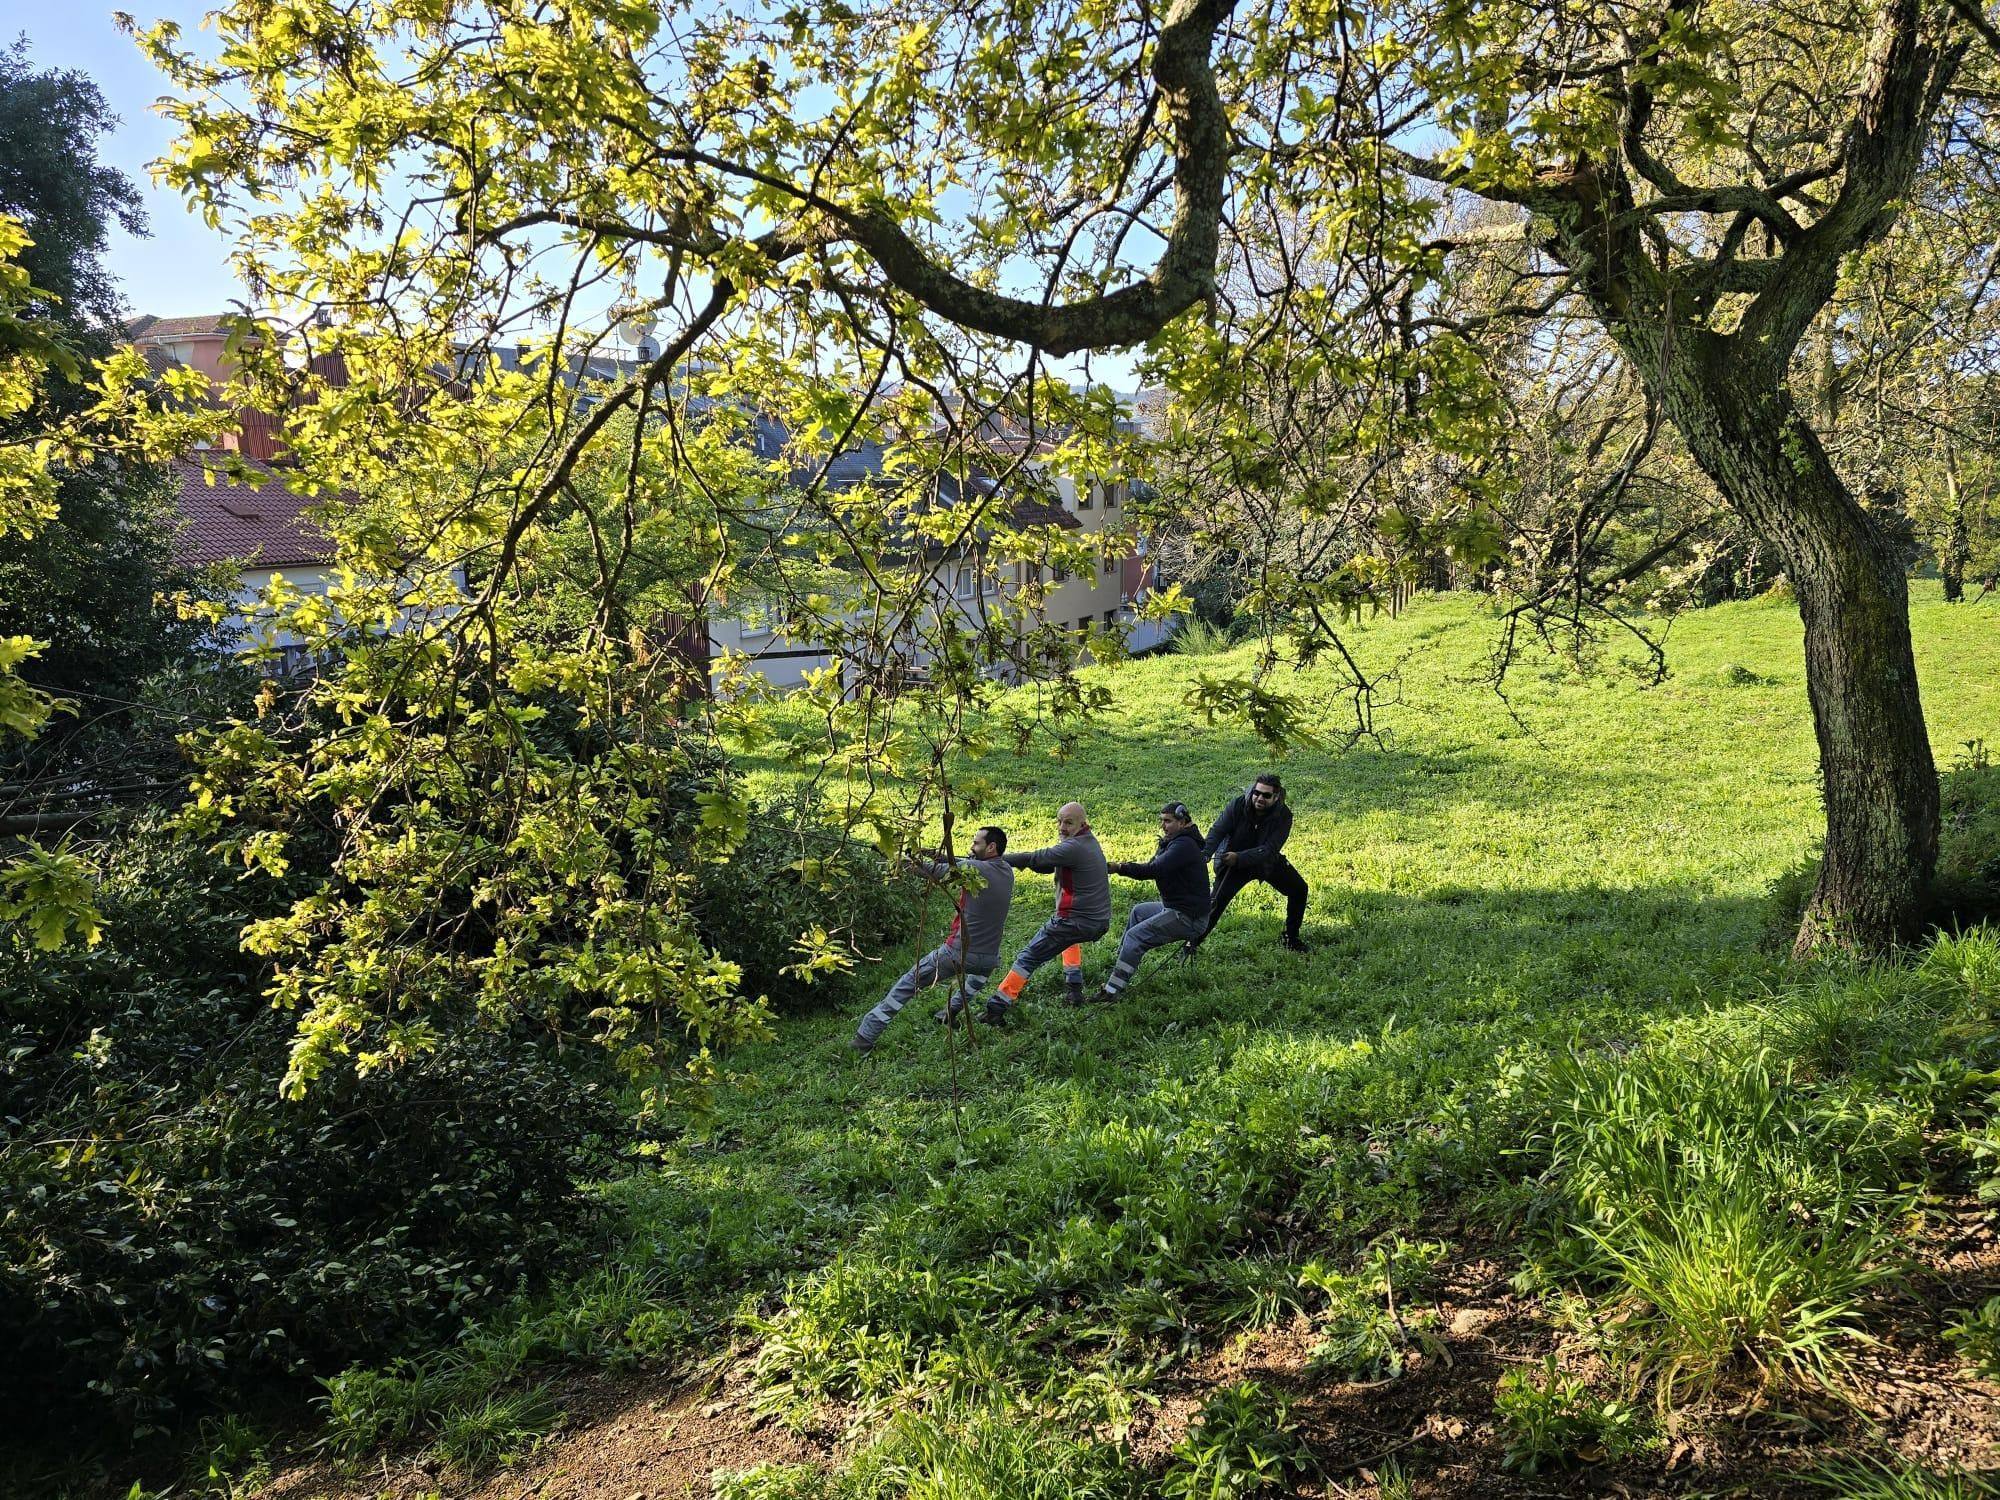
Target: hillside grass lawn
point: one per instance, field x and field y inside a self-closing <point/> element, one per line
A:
<point x="1542" y="1171"/>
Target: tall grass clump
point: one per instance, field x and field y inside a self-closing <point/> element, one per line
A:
<point x="1199" y="637"/>
<point x="1708" y="1203"/>
<point x="1897" y="1479"/>
<point x="1733" y="1190"/>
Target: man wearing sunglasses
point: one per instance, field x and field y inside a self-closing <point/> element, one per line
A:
<point x="1181" y="913"/>
<point x="1247" y="843"/>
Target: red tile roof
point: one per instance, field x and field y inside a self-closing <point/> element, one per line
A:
<point x="1027" y="510"/>
<point x="147" y="326"/>
<point x="228" y="522"/>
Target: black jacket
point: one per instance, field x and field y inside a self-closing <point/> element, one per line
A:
<point x="1177" y="867"/>
<point x="1258" y="842"/>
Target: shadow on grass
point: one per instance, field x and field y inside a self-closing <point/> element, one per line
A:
<point x="1125" y="775"/>
<point x="1404" y="1009"/>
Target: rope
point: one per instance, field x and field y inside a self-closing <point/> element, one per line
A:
<point x="956" y="998"/>
<point x="958" y="995"/>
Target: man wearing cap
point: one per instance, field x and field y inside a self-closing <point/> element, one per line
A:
<point x="1181" y="913"/>
<point x="1247" y="843"/>
<point x="970" y="951"/>
<point x="1083" y="909"/>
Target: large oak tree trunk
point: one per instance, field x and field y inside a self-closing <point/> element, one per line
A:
<point x="1879" y="780"/>
<point x="1725" y="391"/>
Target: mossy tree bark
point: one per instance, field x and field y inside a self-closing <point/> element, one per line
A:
<point x="1878" y="776"/>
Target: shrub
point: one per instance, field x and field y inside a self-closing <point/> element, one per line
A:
<point x="754" y="907"/>
<point x="1549" y="1415"/>
<point x="174" y="1230"/>
<point x="1244" y="1441"/>
<point x="1212" y="596"/>
<point x="1364" y="1337"/>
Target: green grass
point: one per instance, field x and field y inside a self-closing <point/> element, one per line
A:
<point x="1536" y="1001"/>
<point x="1897" y="1479"/>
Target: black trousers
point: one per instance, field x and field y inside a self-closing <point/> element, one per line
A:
<point x="1278" y="874"/>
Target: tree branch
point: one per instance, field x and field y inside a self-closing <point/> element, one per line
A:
<point x="1133" y="313"/>
<point x="1883" y="149"/>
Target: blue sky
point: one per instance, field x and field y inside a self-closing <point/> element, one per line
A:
<point x="182" y="268"/>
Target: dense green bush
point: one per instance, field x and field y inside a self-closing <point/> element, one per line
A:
<point x="174" y="1229"/>
<point x="793" y="872"/>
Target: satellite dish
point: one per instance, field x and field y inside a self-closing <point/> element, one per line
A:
<point x="634" y="327"/>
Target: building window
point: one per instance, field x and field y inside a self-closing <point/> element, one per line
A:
<point x="1086" y="496"/>
<point x="962" y="584"/>
<point x="1110" y="567"/>
<point x="1111" y="617"/>
<point x="1113" y="493"/>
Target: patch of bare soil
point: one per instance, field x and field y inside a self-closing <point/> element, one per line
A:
<point x="1435" y="1426"/>
<point x="620" y="1439"/>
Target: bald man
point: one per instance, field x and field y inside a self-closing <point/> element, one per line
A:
<point x="1083" y="909"/>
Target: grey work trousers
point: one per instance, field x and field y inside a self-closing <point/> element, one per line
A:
<point x="1153" y="924"/>
<point x="939" y="966"/>
<point x="1056" y="934"/>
